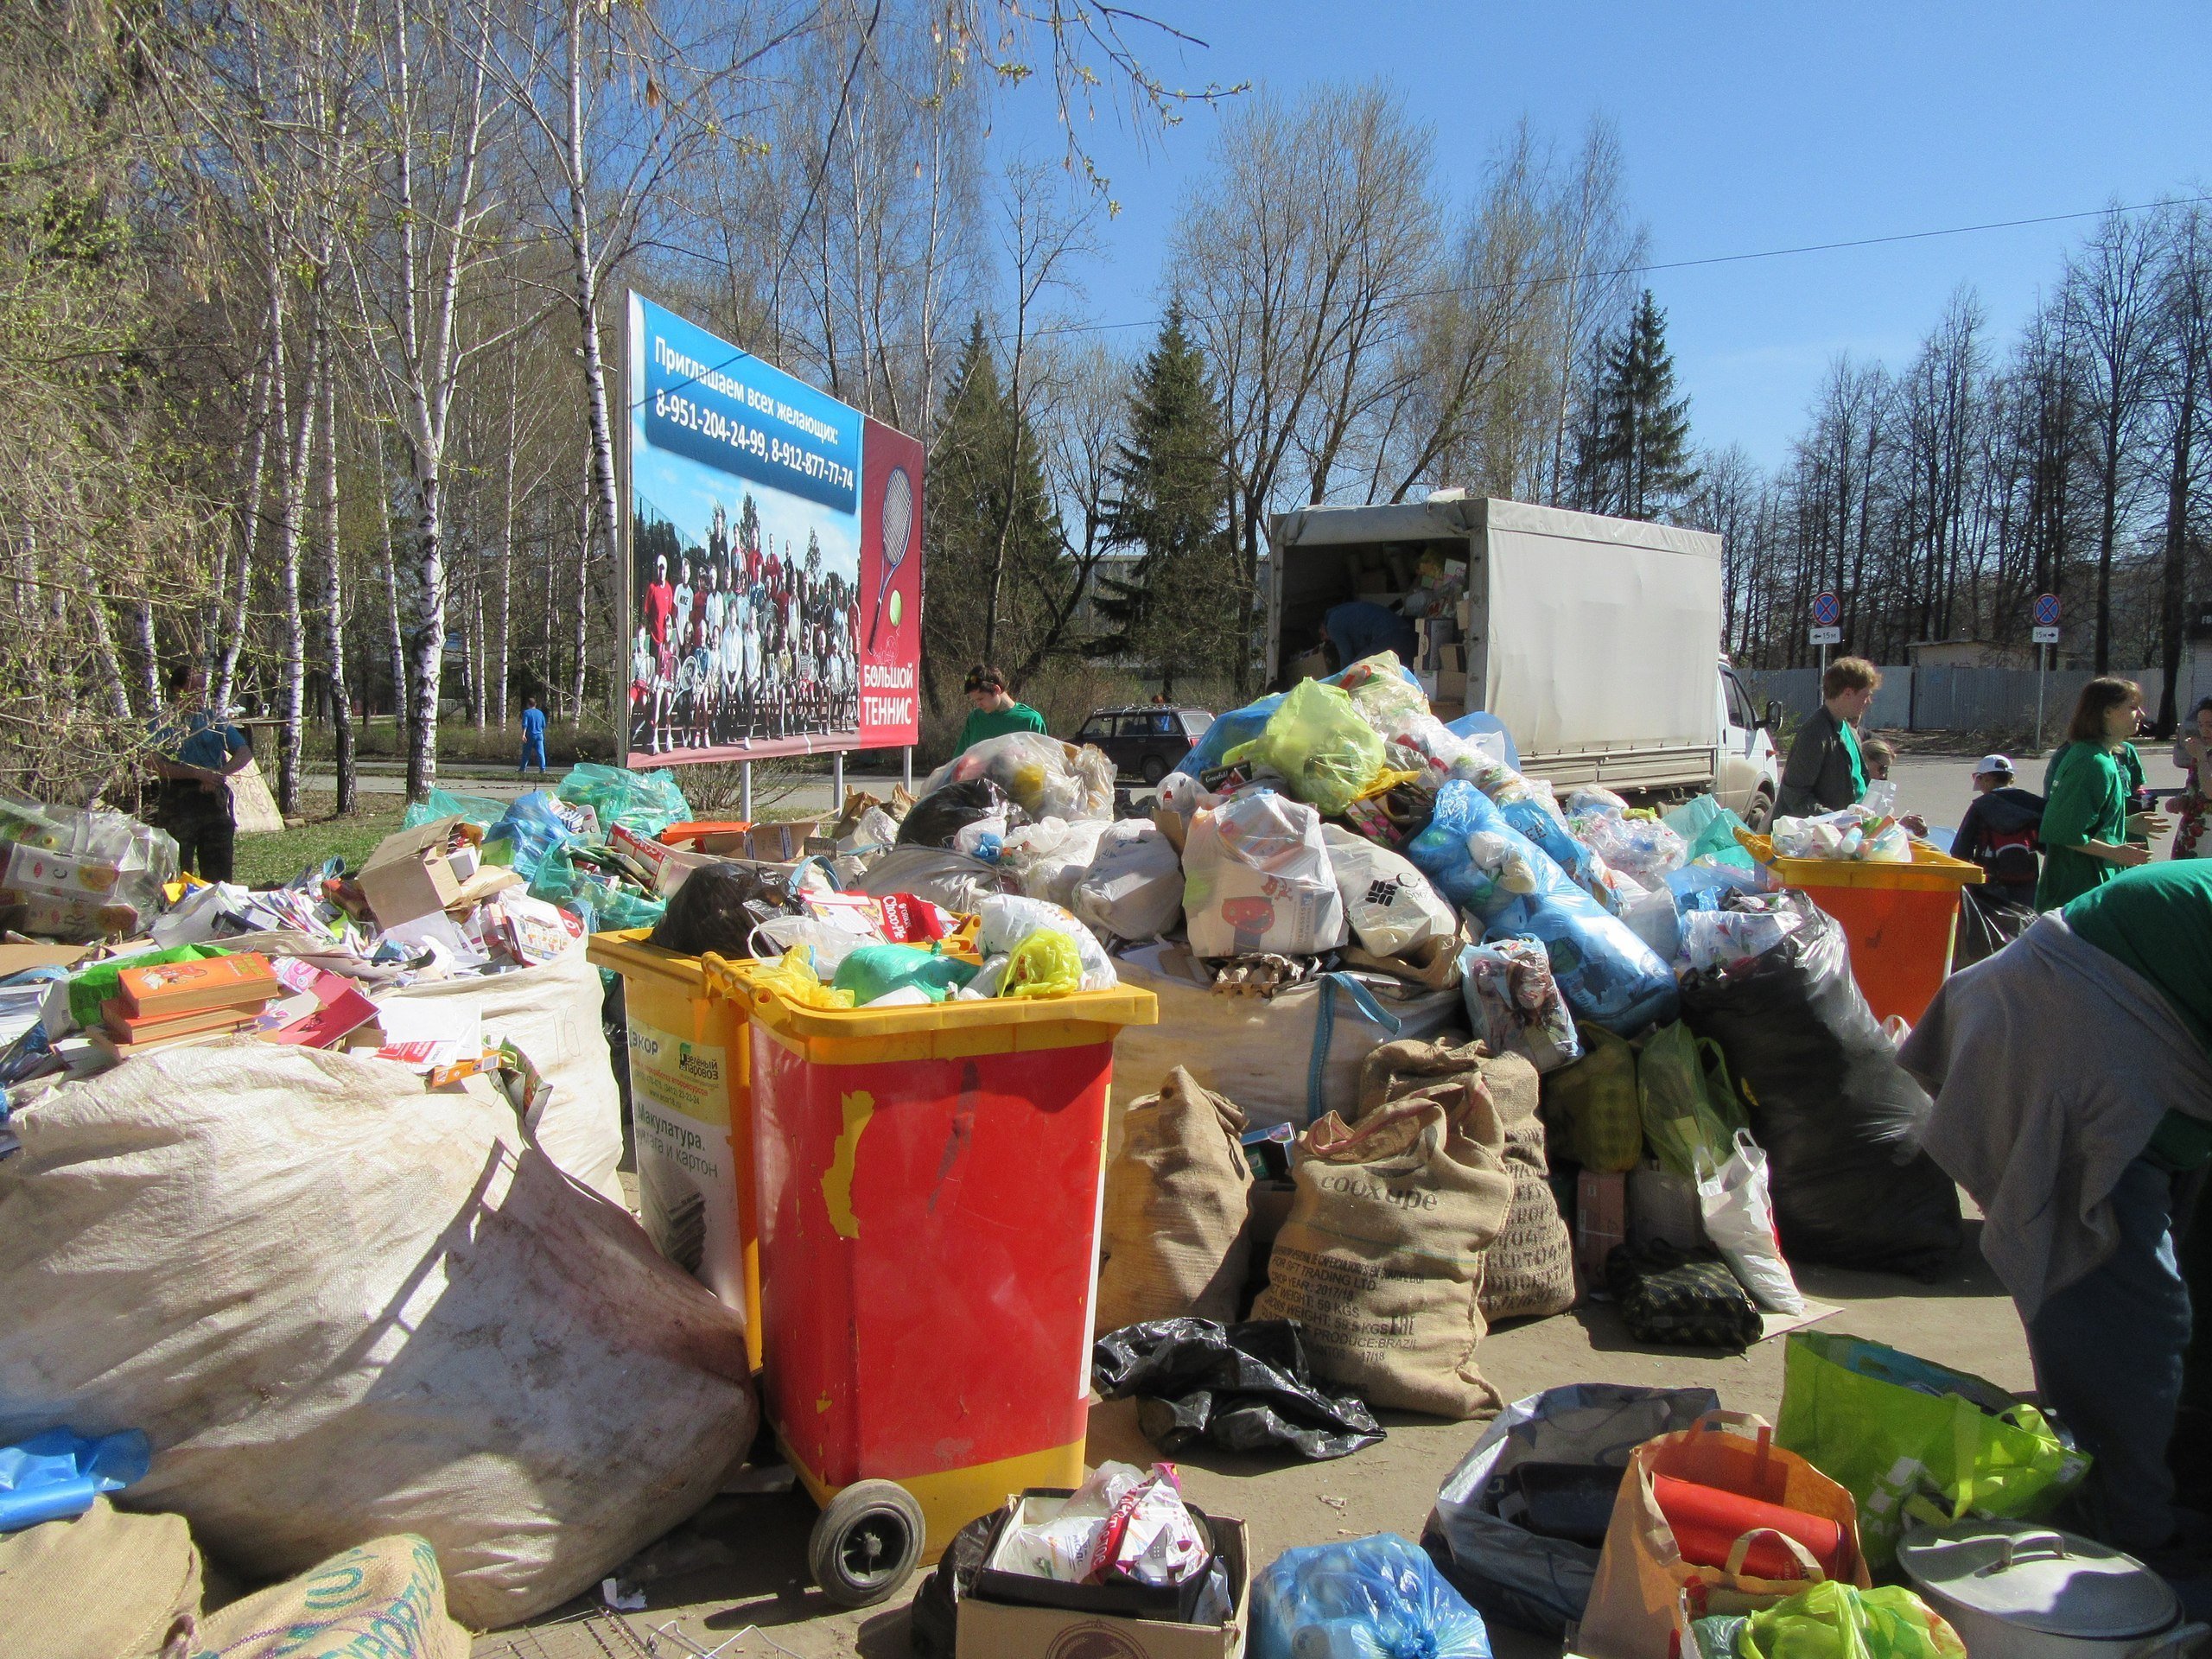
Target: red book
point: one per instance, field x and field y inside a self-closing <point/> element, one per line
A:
<point x="340" y="1008"/>
<point x="174" y="987"/>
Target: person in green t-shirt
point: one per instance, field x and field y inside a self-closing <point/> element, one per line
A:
<point x="2087" y="825"/>
<point x="994" y="713"/>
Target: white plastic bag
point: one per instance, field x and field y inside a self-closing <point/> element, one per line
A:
<point x="1009" y="918"/>
<point x="1390" y="905"/>
<point x="1256" y="878"/>
<point x="1134" y="888"/>
<point x="1046" y="860"/>
<point x="1045" y="777"/>
<point x="1739" y="1214"/>
<point x="342" y="1308"/>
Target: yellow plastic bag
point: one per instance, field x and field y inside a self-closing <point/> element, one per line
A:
<point x="1325" y="752"/>
<point x="794" y="979"/>
<point x="1046" y="964"/>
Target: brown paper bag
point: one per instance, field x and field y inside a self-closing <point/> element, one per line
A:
<point x="1638" y="1594"/>
<point x="1380" y="1259"/>
<point x="1529" y="1271"/>
<point x="1176" y="1199"/>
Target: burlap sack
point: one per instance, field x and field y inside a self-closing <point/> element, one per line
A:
<point x="1529" y="1271"/>
<point x="104" y="1586"/>
<point x="1177" y="1197"/>
<point x="1382" y="1258"/>
<point x="385" y="1597"/>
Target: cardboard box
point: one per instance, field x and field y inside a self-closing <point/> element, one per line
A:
<point x="991" y="1630"/>
<point x="409" y="875"/>
<point x="1452" y="688"/>
<point x="1600" y="1219"/>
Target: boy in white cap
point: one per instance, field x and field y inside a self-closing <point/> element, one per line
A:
<point x="2001" y="830"/>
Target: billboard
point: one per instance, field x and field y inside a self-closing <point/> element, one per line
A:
<point x="773" y="599"/>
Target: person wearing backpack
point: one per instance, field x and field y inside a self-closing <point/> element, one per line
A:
<point x="2002" y="831"/>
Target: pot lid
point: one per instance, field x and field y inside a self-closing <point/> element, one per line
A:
<point x="2040" y="1580"/>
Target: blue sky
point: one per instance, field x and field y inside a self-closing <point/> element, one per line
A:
<point x="1745" y="127"/>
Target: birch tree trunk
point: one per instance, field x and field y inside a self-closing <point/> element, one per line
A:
<point x="333" y="609"/>
<point x="298" y="460"/>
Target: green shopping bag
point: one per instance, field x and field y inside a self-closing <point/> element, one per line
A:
<point x="1591" y="1103"/>
<point x="1687" y="1104"/>
<point x="1913" y="1441"/>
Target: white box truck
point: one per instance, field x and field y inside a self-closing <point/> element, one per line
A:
<point x="1595" y="641"/>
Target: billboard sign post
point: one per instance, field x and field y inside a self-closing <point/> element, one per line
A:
<point x="2044" y="634"/>
<point x="767" y="610"/>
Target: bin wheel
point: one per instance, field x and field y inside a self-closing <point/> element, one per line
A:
<point x="865" y="1544"/>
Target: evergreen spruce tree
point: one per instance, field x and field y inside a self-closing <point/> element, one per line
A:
<point x="1176" y="607"/>
<point x="1633" y="452"/>
<point x="989" y="529"/>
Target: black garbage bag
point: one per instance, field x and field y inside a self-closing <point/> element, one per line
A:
<point x="1243" y="1388"/>
<point x="717" y="908"/>
<point x="1836" y="1113"/>
<point x="939" y="815"/>
<point x="1988" y="921"/>
<point x="934" y="1626"/>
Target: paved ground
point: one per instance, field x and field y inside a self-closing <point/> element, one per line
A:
<point x="734" y="1580"/>
<point x="1939" y="787"/>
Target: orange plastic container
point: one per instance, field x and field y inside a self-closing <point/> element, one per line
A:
<point x="931" y="1180"/>
<point x="1897" y="919"/>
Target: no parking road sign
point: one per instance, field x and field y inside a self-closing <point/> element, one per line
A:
<point x="2046" y="619"/>
<point x="1828" y="610"/>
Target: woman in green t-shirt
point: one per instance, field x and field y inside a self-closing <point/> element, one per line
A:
<point x="2086" y="823"/>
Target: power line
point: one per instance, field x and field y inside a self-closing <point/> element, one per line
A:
<point x="1645" y="269"/>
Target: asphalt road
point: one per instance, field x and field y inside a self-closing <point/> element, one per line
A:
<point x="1940" y="786"/>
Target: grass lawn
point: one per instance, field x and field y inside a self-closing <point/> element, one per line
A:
<point x="265" y="860"/>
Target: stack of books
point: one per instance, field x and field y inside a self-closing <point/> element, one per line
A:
<point x="179" y="1003"/>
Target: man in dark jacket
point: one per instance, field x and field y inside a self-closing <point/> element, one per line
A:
<point x="1826" y="771"/>
<point x="2000" y="832"/>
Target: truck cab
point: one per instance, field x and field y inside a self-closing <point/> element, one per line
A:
<point x="1747" y="772"/>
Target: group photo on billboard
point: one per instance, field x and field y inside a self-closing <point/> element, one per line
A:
<point x="774" y="583"/>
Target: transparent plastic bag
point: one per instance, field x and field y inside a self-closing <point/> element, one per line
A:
<point x="1008" y="919"/>
<point x="1385" y="697"/>
<point x="1514" y="1004"/>
<point x="1370" y="1598"/>
<point x="1048" y="858"/>
<point x="1256" y="878"/>
<point x="444" y="804"/>
<point x="1644" y="849"/>
<point x="1317" y="740"/>
<point x="1045" y="777"/>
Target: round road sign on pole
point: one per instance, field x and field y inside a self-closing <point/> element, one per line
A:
<point x="2046" y="610"/>
<point x="1828" y="610"/>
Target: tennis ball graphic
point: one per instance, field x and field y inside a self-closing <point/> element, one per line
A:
<point x="898" y="608"/>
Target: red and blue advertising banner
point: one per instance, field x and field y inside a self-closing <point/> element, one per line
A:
<point x="774" y="602"/>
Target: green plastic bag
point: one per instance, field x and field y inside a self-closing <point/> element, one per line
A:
<point x="1835" y="1621"/>
<point x="444" y="804"/>
<point x="1709" y="830"/>
<point x="1915" y="1441"/>
<point x="1592" y="1102"/>
<point x="1688" y="1104"/>
<point x="875" y="970"/>
<point x="647" y="802"/>
<point x="1325" y="752"/>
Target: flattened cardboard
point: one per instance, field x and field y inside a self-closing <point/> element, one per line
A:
<point x="991" y="1630"/>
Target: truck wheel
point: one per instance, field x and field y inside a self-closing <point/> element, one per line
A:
<point x="1760" y="818"/>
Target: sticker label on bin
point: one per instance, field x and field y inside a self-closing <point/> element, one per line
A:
<point x="687" y="1175"/>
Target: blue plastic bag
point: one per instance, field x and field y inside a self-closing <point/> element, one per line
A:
<point x="55" y="1476"/>
<point x="1378" y="1597"/>
<point x="1529" y="817"/>
<point x="1476" y="859"/>
<point x="1480" y="862"/>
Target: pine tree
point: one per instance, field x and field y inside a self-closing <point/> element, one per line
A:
<point x="987" y="502"/>
<point x="1176" y="607"/>
<point x="1633" y="450"/>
